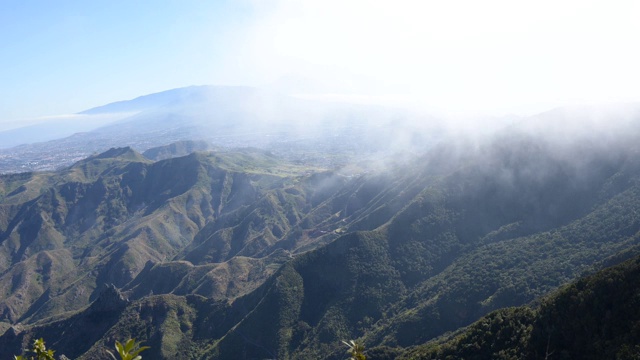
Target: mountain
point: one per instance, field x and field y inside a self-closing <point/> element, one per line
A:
<point x="177" y="149"/>
<point x="246" y="254"/>
<point x="458" y="251"/>
<point x="101" y="220"/>
<point x="58" y="127"/>
<point x="227" y="117"/>
<point x="593" y="318"/>
<point x="145" y="102"/>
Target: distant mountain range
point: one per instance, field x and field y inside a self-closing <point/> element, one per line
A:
<point x="56" y="128"/>
<point x="247" y="254"/>
<point x="228" y="117"/>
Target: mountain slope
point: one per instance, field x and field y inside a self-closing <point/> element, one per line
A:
<point x="242" y="254"/>
<point x="103" y="219"/>
<point x="474" y="257"/>
<point x="227" y="117"/>
<point x="146" y="102"/>
<point x="593" y="318"/>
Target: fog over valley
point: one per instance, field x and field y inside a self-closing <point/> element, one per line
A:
<point x="320" y="180"/>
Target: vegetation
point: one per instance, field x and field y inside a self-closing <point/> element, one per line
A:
<point x="594" y="318"/>
<point x="129" y="351"/>
<point x="40" y="350"/>
<point x="355" y="350"/>
<point x="244" y="255"/>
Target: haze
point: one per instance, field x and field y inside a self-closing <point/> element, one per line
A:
<point x="449" y="57"/>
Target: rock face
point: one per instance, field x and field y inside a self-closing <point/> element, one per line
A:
<point x="110" y="299"/>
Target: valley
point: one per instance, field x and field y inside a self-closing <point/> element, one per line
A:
<point x="319" y="180"/>
<point x="310" y="132"/>
<point x="219" y="253"/>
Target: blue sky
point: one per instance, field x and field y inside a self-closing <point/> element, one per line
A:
<point x="61" y="57"/>
<point x="65" y="56"/>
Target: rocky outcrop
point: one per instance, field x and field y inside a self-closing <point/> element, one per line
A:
<point x="110" y="299"/>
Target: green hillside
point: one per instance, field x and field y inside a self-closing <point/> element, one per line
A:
<point x="594" y="318"/>
<point x="226" y="255"/>
<point x="99" y="222"/>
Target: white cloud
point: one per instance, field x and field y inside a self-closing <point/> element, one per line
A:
<point x="478" y="53"/>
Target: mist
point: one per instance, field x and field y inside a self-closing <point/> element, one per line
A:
<point x="458" y="58"/>
<point x="268" y="178"/>
<point x="49" y="128"/>
<point x="327" y="131"/>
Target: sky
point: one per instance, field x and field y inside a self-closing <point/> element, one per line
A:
<point x="62" y="57"/>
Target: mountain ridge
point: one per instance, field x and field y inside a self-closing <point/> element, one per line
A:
<point x="291" y="259"/>
<point x="227" y="117"/>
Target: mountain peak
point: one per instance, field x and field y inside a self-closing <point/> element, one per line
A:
<point x="163" y="98"/>
<point x="109" y="299"/>
<point x="122" y="152"/>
